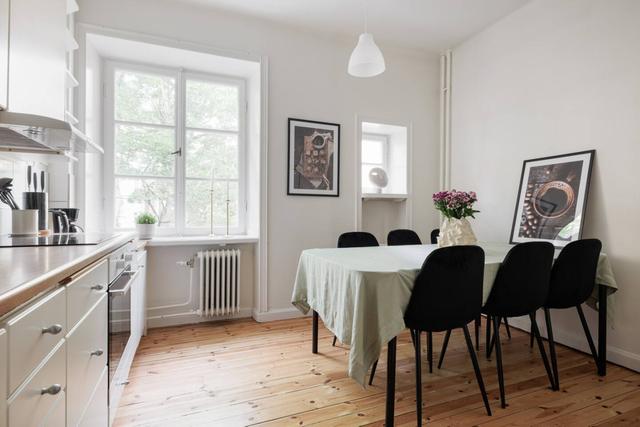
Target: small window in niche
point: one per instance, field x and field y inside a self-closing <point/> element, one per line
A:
<point x="383" y="159"/>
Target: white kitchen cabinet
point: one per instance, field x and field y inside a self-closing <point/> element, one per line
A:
<point x="4" y="52"/>
<point x="86" y="360"/>
<point x="139" y="297"/>
<point x="97" y="412"/>
<point x="39" y="395"/>
<point x="37" y="57"/>
<point x="3" y="377"/>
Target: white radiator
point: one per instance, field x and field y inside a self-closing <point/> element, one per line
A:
<point x="219" y="282"/>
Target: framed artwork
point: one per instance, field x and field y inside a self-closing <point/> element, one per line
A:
<point x="313" y="167"/>
<point x="552" y="199"/>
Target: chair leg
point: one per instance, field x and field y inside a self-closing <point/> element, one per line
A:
<point x="488" y="336"/>
<point x="506" y="325"/>
<point x="543" y="353"/>
<point x="334" y="341"/>
<point x="493" y="341"/>
<point x="476" y="368"/>
<point x="531" y="334"/>
<point x="413" y="338"/>
<point x="430" y="350"/>
<point x="444" y="348"/>
<point x="418" y="377"/>
<point x="552" y="348"/>
<point x="585" y="326"/>
<point x="477" y="330"/>
<point x="373" y="372"/>
<point x="496" y="323"/>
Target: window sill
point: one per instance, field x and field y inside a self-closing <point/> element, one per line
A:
<point x="200" y="240"/>
<point x="385" y="196"/>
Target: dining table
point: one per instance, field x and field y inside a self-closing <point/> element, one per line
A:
<point x="361" y="295"/>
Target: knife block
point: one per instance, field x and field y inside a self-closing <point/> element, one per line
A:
<point x="40" y="201"/>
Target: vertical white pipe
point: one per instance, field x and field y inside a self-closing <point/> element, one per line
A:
<point x="443" y="147"/>
<point x="448" y="121"/>
<point x="238" y="279"/>
<point x="201" y="283"/>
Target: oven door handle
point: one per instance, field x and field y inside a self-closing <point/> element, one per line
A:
<point x="124" y="289"/>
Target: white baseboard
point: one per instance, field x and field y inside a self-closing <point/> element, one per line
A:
<point x="277" y="314"/>
<point x="578" y="341"/>
<point x="191" y="317"/>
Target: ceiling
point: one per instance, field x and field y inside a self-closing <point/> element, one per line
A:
<point x="428" y="25"/>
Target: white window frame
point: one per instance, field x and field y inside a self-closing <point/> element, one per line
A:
<point x="385" y="154"/>
<point x="181" y="76"/>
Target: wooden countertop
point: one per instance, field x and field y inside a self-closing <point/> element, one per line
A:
<point x="28" y="272"/>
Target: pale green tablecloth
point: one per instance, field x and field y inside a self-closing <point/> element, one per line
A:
<point x="361" y="293"/>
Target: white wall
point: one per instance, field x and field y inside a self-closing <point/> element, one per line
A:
<point x="307" y="79"/>
<point x="558" y="76"/>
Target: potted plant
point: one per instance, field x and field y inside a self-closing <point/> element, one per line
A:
<point x="146" y="225"/>
<point x="456" y="206"/>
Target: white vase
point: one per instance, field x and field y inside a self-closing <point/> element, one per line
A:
<point x="146" y="231"/>
<point x="456" y="232"/>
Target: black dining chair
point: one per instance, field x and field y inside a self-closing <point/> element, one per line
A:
<point x="447" y="294"/>
<point x="403" y="237"/>
<point x="434" y="236"/>
<point x="573" y="277"/>
<point x="520" y="288"/>
<point x="410" y="237"/>
<point x="355" y="239"/>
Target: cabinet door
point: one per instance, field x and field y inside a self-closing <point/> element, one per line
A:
<point x="4" y="380"/>
<point x="37" y="53"/>
<point x="4" y="52"/>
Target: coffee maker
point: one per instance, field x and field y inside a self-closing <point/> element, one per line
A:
<point x="72" y="216"/>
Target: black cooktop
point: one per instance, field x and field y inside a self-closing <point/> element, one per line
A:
<point x="66" y="239"/>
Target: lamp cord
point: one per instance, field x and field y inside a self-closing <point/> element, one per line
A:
<point x="365" y="16"/>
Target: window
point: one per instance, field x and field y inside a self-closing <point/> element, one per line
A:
<point x="374" y="154"/>
<point x="172" y="139"/>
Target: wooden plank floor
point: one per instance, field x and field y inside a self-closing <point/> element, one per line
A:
<point x="242" y="373"/>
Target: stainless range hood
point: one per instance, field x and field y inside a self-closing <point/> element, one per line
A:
<point x="31" y="133"/>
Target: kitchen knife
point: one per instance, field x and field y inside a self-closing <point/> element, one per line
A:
<point x="29" y="178"/>
<point x="35" y="181"/>
<point x="42" y="180"/>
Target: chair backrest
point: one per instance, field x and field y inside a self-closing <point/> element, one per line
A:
<point x="434" y="235"/>
<point x="574" y="273"/>
<point x="522" y="283"/>
<point x="357" y="239"/>
<point x="403" y="237"/>
<point x="447" y="292"/>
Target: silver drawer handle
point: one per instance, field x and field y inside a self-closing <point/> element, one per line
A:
<point x="52" y="389"/>
<point x="125" y="382"/>
<point x="97" y="287"/>
<point x="53" y="329"/>
<point x="98" y="352"/>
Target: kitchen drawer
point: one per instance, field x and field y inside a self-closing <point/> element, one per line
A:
<point x="97" y="412"/>
<point x="84" y="290"/>
<point x="86" y="360"/>
<point x="57" y="415"/>
<point x="31" y="405"/>
<point x="33" y="333"/>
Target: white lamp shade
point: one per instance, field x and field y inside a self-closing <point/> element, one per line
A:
<point x="366" y="59"/>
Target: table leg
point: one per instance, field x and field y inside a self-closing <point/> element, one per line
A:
<point x="602" y="330"/>
<point x="391" y="382"/>
<point x="314" y="332"/>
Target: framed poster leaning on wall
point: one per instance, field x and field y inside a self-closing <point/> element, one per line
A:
<point x="552" y="199"/>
